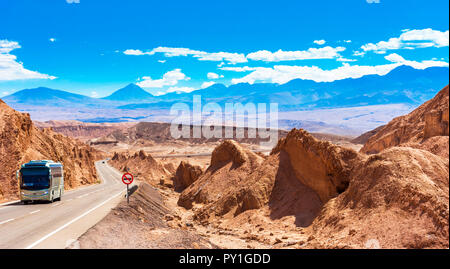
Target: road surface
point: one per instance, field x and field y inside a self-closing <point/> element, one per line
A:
<point x="58" y="224"/>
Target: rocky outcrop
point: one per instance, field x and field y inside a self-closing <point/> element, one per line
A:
<point x="428" y="120"/>
<point x="396" y="199"/>
<point x="343" y="199"/>
<point x="185" y="175"/>
<point x="142" y="165"/>
<point x="230" y="165"/>
<point x="21" y="141"/>
<point x="296" y="179"/>
<point x="320" y="165"/>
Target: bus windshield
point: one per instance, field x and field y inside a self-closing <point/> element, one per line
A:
<point x="35" y="178"/>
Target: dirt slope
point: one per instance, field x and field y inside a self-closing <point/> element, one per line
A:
<point x="21" y="141"/>
<point x="429" y="120"/>
<point x="141" y="224"/>
<point x="396" y="199"/>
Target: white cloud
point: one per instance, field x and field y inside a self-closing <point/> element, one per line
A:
<point x="358" y="53"/>
<point x="180" y="89"/>
<point x="134" y="52"/>
<point x="342" y="59"/>
<point x="52" y="39"/>
<point x="207" y="84"/>
<point x="238" y="69"/>
<point x="395" y="58"/>
<point x="202" y="55"/>
<point x="212" y="75"/>
<point x="161" y="61"/>
<point x="319" y="42"/>
<point x="170" y="78"/>
<point x="94" y="94"/>
<point x="173" y="52"/>
<point x="411" y="39"/>
<point x="280" y="55"/>
<point x="232" y="58"/>
<point x="348" y="41"/>
<point x="11" y="69"/>
<point x="7" y="46"/>
<point x="283" y="73"/>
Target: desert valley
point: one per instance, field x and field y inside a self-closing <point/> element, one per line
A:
<point x="387" y="188"/>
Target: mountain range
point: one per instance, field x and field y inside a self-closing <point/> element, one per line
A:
<point x="404" y="85"/>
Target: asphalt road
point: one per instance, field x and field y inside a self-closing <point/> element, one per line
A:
<point x="58" y="224"/>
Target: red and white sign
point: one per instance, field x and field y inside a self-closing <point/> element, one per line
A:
<point x="127" y="178"/>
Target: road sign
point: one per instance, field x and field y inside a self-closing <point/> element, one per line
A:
<point x="127" y="178"/>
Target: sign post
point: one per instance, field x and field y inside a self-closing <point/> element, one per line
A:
<point x="127" y="179"/>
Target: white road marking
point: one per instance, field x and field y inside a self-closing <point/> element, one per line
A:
<point x="69" y="200"/>
<point x="72" y="221"/>
<point x="11" y="202"/>
<point x="35" y="211"/>
<point x="8" y="220"/>
<point x="56" y="204"/>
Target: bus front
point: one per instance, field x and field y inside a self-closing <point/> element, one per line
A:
<point x="35" y="183"/>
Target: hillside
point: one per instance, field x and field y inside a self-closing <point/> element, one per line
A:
<point x="416" y="129"/>
<point x="319" y="195"/>
<point x="21" y="141"/>
<point x="325" y="196"/>
<point x="82" y="130"/>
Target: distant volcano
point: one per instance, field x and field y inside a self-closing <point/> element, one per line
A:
<point x="130" y="93"/>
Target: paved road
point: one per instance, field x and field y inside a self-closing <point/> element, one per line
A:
<point x="55" y="225"/>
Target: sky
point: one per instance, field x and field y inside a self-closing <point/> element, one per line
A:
<point x="95" y="47"/>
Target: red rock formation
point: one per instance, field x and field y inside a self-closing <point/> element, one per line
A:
<point x="230" y="164"/>
<point x="142" y="165"/>
<point x="395" y="199"/>
<point x="185" y="175"/>
<point x="428" y="120"/>
<point x="320" y="165"/>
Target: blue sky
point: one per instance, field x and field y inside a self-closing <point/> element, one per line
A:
<point x="95" y="47"/>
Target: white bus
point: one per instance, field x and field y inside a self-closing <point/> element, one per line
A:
<point x="41" y="180"/>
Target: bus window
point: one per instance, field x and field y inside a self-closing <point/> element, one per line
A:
<point x="34" y="178"/>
